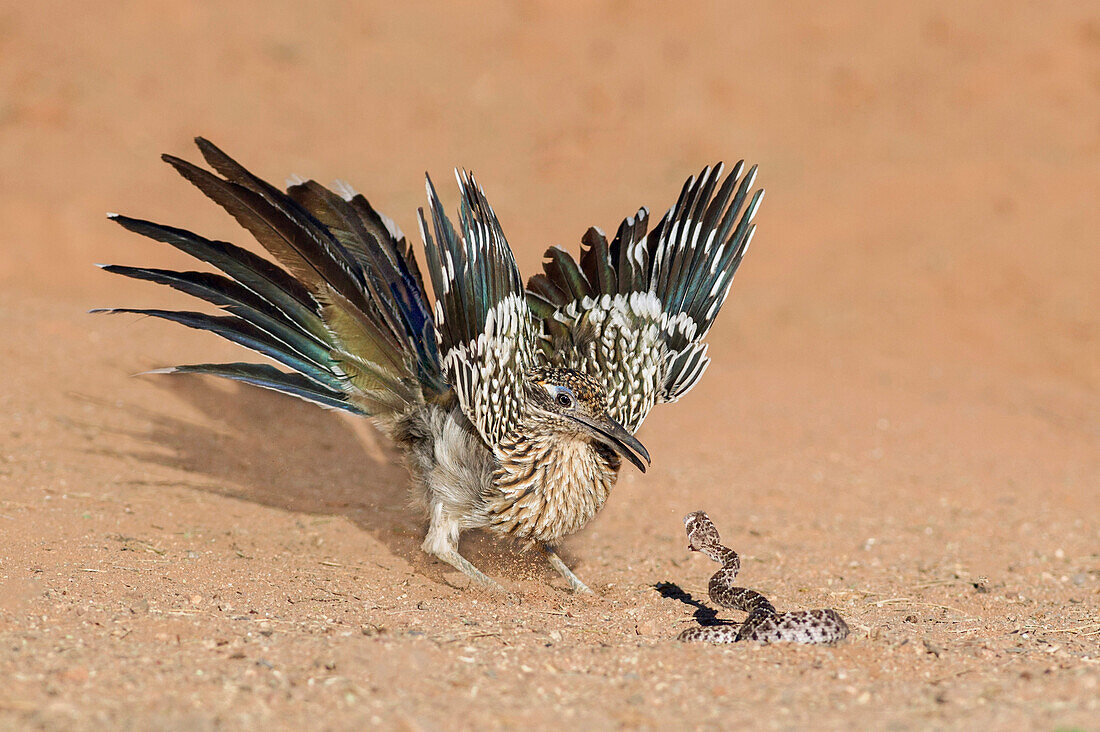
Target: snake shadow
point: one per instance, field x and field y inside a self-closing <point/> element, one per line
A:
<point x="278" y="451"/>
<point x="704" y="615"/>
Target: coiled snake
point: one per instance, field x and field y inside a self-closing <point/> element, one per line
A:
<point x="764" y="624"/>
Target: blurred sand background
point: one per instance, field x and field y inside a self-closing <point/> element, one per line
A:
<point x="901" y="420"/>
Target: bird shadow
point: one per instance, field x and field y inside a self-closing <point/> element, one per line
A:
<point x="704" y="615"/>
<point x="280" y="452"/>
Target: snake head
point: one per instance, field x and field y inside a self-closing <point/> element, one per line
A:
<point x="701" y="532"/>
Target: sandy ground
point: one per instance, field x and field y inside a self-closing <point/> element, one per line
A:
<point x="901" y="420"/>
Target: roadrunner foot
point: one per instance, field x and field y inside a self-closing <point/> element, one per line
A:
<point x="574" y="581"/>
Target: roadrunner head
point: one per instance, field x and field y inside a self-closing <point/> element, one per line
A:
<point x="569" y="403"/>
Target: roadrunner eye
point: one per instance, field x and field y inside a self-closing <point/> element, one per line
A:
<point x="564" y="400"/>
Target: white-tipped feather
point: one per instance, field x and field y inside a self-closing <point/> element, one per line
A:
<point x="344" y="189"/>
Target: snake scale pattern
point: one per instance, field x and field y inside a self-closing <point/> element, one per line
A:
<point x="764" y="624"/>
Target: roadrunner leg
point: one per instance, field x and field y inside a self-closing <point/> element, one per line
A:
<point x="442" y="542"/>
<point x="462" y="564"/>
<point x="574" y="581"/>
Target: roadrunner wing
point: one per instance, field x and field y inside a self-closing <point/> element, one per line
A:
<point x="346" y="311"/>
<point x="485" y="329"/>
<point x="634" y="312"/>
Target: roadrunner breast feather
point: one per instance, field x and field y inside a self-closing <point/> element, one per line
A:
<point x="514" y="406"/>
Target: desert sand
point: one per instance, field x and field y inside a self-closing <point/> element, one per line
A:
<point x="901" y="420"/>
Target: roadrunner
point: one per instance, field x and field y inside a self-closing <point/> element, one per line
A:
<point x="514" y="406"/>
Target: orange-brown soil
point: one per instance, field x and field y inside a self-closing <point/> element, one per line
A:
<point x="901" y="421"/>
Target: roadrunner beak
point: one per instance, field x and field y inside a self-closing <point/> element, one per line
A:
<point x="615" y="436"/>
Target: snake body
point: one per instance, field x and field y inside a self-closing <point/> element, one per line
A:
<point x="764" y="624"/>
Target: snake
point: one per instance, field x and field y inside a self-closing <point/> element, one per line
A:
<point x="763" y="624"/>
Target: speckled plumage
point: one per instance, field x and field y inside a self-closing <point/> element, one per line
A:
<point x="551" y="477"/>
<point x="514" y="406"/>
